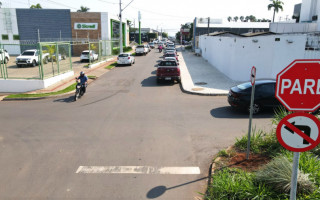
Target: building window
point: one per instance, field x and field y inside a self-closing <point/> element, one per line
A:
<point x="16" y="37"/>
<point x="5" y="37"/>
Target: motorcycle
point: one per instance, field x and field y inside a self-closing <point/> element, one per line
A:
<point x="79" y="90"/>
<point x="160" y="50"/>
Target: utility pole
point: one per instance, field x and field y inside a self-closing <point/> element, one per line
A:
<point x="121" y="34"/>
<point x="139" y="17"/>
<point x="121" y="45"/>
<point x="208" y="25"/>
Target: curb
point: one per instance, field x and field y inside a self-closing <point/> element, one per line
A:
<point x="36" y="98"/>
<point x="200" y="94"/>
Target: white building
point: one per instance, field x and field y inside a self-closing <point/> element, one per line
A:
<point x="234" y="55"/>
<point x="9" y="30"/>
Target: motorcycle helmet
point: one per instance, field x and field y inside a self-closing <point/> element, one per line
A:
<point x="81" y="73"/>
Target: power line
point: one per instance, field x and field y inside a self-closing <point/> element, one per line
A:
<point x="158" y="13"/>
<point x="107" y="2"/>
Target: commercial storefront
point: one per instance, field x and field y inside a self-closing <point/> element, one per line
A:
<point x="29" y="26"/>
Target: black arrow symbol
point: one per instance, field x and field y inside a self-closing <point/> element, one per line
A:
<point x="305" y="129"/>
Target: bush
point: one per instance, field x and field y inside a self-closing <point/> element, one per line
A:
<point x="277" y="175"/>
<point x="260" y="143"/>
<point x="116" y="50"/>
<point x="188" y="47"/>
<point x="237" y="184"/>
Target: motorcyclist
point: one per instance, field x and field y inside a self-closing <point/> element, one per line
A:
<point x="83" y="81"/>
<point x="160" y="48"/>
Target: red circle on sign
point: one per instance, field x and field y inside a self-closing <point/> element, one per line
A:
<point x="253" y="75"/>
<point x="285" y="119"/>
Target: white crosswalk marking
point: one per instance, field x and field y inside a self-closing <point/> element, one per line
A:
<point x="136" y="170"/>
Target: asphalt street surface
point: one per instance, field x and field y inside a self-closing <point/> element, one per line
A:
<point x="124" y="119"/>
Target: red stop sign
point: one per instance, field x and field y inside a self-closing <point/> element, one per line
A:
<point x="298" y="85"/>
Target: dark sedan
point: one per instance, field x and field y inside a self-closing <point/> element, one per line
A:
<point x="239" y="96"/>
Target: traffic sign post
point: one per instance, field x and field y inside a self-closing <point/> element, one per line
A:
<point x="253" y="80"/>
<point x="298" y="132"/>
<point x="298" y="89"/>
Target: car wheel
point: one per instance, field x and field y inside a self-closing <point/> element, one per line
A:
<point x="256" y="109"/>
<point x="34" y="63"/>
<point x="130" y="64"/>
<point x="6" y="60"/>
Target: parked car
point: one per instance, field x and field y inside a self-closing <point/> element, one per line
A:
<point x="31" y="57"/>
<point x="125" y="59"/>
<point x="142" y="50"/>
<point x="169" y="71"/>
<point x="151" y="44"/>
<point x="173" y="55"/>
<point x="4" y="56"/>
<point x="171" y="59"/>
<point x="89" y="56"/>
<point x="239" y="96"/>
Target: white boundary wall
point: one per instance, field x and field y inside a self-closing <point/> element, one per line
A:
<point x="234" y="56"/>
<point x="13" y="85"/>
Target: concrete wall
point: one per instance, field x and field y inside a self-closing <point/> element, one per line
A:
<point x="234" y="56"/>
<point x="12" y="85"/>
<point x="293" y="27"/>
<point x="9" y="26"/>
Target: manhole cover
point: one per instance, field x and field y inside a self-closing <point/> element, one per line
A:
<point x="197" y="89"/>
<point x="200" y="83"/>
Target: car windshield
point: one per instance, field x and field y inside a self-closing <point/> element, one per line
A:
<point x="168" y="63"/>
<point x="151" y="43"/>
<point x="123" y="55"/>
<point x="85" y="53"/>
<point x="244" y="86"/>
<point x="28" y="53"/>
<point x="140" y="46"/>
<point x="169" y="55"/>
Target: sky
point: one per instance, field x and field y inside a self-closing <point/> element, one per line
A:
<point x="167" y="15"/>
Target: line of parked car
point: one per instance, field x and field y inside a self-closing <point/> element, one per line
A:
<point x="168" y="68"/>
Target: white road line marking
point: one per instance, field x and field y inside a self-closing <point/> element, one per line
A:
<point x="136" y="170"/>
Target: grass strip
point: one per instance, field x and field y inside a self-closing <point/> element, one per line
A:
<point x="111" y="66"/>
<point x="68" y="89"/>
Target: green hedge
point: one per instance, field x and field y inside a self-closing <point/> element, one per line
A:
<point x="116" y="51"/>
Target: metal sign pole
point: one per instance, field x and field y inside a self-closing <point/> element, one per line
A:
<point x="253" y="83"/>
<point x="250" y="121"/>
<point x="294" y="177"/>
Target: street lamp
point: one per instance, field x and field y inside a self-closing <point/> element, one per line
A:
<point x="120" y="15"/>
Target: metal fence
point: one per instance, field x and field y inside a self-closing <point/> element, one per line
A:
<point x="51" y="58"/>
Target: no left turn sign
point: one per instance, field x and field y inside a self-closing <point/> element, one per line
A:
<point x="299" y="132"/>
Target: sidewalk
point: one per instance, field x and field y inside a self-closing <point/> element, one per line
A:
<point x="200" y="77"/>
<point x="97" y="71"/>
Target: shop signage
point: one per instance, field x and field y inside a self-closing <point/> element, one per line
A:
<point x="86" y="26"/>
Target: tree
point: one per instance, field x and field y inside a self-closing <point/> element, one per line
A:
<point x="229" y="18"/>
<point x="178" y="34"/>
<point x="236" y="18"/>
<point x="242" y="18"/>
<point x="83" y="9"/>
<point x="38" y="6"/>
<point x="252" y="18"/>
<point x="164" y="35"/>
<point x="247" y="18"/>
<point x="276" y="5"/>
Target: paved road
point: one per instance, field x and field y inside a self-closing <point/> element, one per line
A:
<point x="125" y="119"/>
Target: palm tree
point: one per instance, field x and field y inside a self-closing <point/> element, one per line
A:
<point x="229" y="18"/>
<point x="252" y="18"/>
<point x="276" y="5"/>
<point x="36" y="6"/>
<point x="242" y="18"/>
<point x="83" y="9"/>
<point x="236" y="18"/>
<point x="247" y="18"/>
